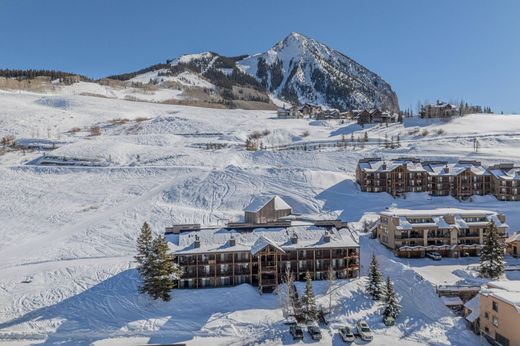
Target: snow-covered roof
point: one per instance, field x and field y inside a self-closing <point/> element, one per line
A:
<point x="261" y="243"/>
<point x="388" y="166"/>
<point x="452" y="169"/>
<point x="514" y="238"/>
<point x="452" y="301"/>
<point x="474" y="306"/>
<point x="506" y="173"/>
<point x="260" y="201"/>
<point x="507" y="291"/>
<point x="461" y="218"/>
<point x="217" y="239"/>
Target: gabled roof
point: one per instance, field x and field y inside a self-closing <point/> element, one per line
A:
<point x="259" y="202"/>
<point x="474" y="306"/>
<point x="261" y="243"/>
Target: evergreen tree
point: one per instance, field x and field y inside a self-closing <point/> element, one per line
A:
<point x="144" y="256"/>
<point x="492" y="255"/>
<point x="308" y="301"/>
<point x="392" y="307"/>
<point x="375" y="280"/>
<point x="164" y="272"/>
<point x="365" y="137"/>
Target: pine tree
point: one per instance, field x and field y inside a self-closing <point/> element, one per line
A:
<point x="308" y="301"/>
<point x="144" y="256"/>
<point x="392" y="307"/>
<point x="365" y="137"/>
<point x="492" y="255"/>
<point x="164" y="272"/>
<point x="375" y="280"/>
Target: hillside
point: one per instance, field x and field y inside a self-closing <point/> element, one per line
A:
<point x="70" y="229"/>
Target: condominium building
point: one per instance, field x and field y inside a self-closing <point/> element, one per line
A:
<point x="461" y="179"/>
<point x="505" y="182"/>
<point x="260" y="251"/>
<point x="499" y="318"/>
<point x="449" y="231"/>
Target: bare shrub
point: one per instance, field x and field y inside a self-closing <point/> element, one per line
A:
<point x="255" y="135"/>
<point x="266" y="132"/>
<point x="95" y="131"/>
<point x="141" y="119"/>
<point x="119" y="121"/>
<point x="441" y="132"/>
<point x="75" y="130"/>
<point x="306" y="133"/>
<point x="8" y="141"/>
<point x="425" y="133"/>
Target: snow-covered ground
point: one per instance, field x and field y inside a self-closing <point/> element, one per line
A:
<point x="71" y="230"/>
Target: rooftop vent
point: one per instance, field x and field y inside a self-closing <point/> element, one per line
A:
<point x="196" y="243"/>
<point x="326" y="237"/>
<point x="446" y="169"/>
<point x="384" y="166"/>
<point x="294" y="238"/>
<point x="232" y="241"/>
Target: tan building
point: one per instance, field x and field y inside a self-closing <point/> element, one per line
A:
<point x="500" y="312"/>
<point x="449" y="231"/>
<point x="513" y="245"/>
<point x="266" y="209"/>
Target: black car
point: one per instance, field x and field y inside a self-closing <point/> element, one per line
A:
<point x="315" y="332"/>
<point x="296" y="332"/>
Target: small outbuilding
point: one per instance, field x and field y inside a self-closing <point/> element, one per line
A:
<point x="265" y="209"/>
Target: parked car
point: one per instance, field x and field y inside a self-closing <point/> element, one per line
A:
<point x="364" y="331"/>
<point x="315" y="332"/>
<point x="434" y="256"/>
<point x="296" y="332"/>
<point x="346" y="334"/>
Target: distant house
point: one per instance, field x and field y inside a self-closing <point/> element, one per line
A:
<point x="328" y="114"/>
<point x="513" y="245"/>
<point x="439" y="110"/>
<point x="310" y="109"/>
<point x="266" y="209"/>
<point x="291" y="113"/>
<point x="375" y="116"/>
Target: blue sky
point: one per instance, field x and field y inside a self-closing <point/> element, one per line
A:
<point x="426" y="49"/>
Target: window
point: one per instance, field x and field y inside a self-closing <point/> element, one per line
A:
<point x="495" y="306"/>
<point x="486" y="315"/>
<point x="495" y="321"/>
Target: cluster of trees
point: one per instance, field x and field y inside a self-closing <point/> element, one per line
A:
<point x="304" y="309"/>
<point x="29" y="74"/>
<point x="155" y="265"/>
<point x="254" y="142"/>
<point x="383" y="292"/>
<point x="492" y="255"/>
<point x="394" y="142"/>
<point x="276" y="74"/>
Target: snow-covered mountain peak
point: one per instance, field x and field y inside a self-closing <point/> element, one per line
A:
<point x="301" y="70"/>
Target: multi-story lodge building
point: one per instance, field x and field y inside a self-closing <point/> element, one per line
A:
<point x="505" y="182"/>
<point x="461" y="179"/>
<point x="261" y="250"/>
<point x="450" y="232"/>
<point x="439" y="110"/>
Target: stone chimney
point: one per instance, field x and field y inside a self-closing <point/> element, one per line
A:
<point x="326" y="237"/>
<point x="501" y="217"/>
<point x="196" y="243"/>
<point x="232" y="241"/>
<point x="294" y="238"/>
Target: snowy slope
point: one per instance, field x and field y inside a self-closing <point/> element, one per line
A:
<point x="302" y="70"/>
<point x="72" y="230"/>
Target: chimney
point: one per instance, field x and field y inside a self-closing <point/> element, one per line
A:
<point x="446" y="169"/>
<point x="384" y="166"/>
<point x="232" y="241"/>
<point x="326" y="237"/>
<point x="196" y="243"/>
<point x="294" y="238"/>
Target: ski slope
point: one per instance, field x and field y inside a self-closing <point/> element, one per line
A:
<point x="71" y="230"/>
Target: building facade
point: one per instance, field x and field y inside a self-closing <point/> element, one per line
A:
<point x="260" y="257"/>
<point x="439" y="110"/>
<point x="461" y="179"/>
<point x="505" y="182"/>
<point x="261" y="250"/>
<point x="499" y="319"/>
<point x="450" y="232"/>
